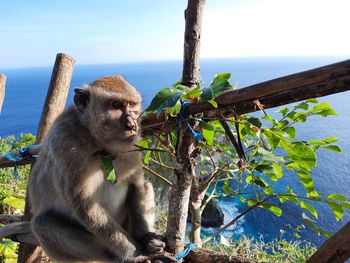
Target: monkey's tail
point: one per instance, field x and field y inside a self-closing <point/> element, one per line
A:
<point x="19" y="231"/>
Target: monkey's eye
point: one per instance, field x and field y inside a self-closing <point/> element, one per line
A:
<point x="132" y="104"/>
<point x="117" y="104"/>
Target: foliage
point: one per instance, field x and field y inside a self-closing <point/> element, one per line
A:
<point x="278" y="250"/>
<point x="250" y="158"/>
<point x="12" y="191"/>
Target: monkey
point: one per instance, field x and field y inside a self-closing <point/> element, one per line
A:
<point x="78" y="215"/>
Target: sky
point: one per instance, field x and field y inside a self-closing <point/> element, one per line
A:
<point x="120" y="31"/>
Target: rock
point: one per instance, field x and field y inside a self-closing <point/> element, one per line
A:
<point x="212" y="215"/>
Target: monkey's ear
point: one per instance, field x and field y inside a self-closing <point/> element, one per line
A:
<point x="81" y="98"/>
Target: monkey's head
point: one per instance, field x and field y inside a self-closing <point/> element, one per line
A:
<point x="109" y="107"/>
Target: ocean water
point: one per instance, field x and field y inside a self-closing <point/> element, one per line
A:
<point x="26" y="90"/>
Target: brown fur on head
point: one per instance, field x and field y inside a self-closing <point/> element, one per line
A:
<point x="117" y="84"/>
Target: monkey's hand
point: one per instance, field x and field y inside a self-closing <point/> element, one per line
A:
<point x="139" y="259"/>
<point x="162" y="258"/>
<point x="153" y="243"/>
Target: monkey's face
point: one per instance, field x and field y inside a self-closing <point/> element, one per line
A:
<point x="111" y="114"/>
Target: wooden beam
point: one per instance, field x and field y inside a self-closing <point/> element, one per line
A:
<point x="318" y="82"/>
<point x="4" y="162"/>
<point x="337" y="85"/>
<point x="53" y="106"/>
<point x="335" y="250"/>
<point x="2" y="89"/>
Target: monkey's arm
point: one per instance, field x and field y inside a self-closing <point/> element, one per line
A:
<point x="96" y="219"/>
<point x="142" y="214"/>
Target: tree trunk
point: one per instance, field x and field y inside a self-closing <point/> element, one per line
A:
<point x="54" y="106"/>
<point x="186" y="146"/>
<point x="196" y="200"/>
<point x="2" y="89"/>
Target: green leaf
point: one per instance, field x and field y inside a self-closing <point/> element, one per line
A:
<point x="14" y="202"/>
<point x="272" y="208"/>
<point x="309" y="208"/>
<point x="107" y="168"/>
<point x="226" y="187"/>
<point x="316" y="142"/>
<point x="302" y="154"/>
<point x="306" y="179"/>
<point x="273" y="171"/>
<point x="290" y="131"/>
<point x="337" y="209"/>
<point x="283" y="111"/>
<point x="213" y="103"/>
<point x="339" y="197"/>
<point x="259" y="181"/>
<point x="255" y="121"/>
<point x="166" y="98"/>
<point x="333" y="148"/>
<point x="219" y="84"/>
<point x="190" y="93"/>
<point x="331" y="139"/>
<point x="144" y="144"/>
<point x="272" y="138"/>
<point x="324" y="109"/>
<point x="302" y="105"/>
<point x="269" y="118"/>
<point x="316" y="229"/>
<point x="346" y="205"/>
<point x="312" y="101"/>
<point x="207" y="131"/>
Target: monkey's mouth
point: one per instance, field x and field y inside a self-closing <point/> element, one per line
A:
<point x="130" y="133"/>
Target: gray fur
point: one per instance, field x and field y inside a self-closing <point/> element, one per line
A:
<point x="77" y="214"/>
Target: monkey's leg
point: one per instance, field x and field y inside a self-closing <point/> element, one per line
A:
<point x="65" y="239"/>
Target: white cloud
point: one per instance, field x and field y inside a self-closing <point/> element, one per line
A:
<point x="278" y="28"/>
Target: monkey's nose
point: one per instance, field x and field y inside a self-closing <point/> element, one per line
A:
<point x="130" y="124"/>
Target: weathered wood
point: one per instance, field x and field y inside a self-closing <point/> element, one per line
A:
<point x="53" y="106"/>
<point x="201" y="255"/>
<point x="2" y="89"/>
<point x="4" y="162"/>
<point x="57" y="93"/>
<point x="336" y="249"/>
<point x="293" y="95"/>
<point x="186" y="146"/>
<point x="320" y="82"/>
<point x="11" y="218"/>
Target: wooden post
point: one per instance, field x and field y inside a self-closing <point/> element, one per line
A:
<point x="334" y="250"/>
<point x="186" y="146"/>
<point x="54" y="105"/>
<point x="2" y="89"/>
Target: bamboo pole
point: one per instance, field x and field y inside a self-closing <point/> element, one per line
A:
<point x="54" y="105"/>
<point x="2" y="89"/>
<point x="186" y="146"/>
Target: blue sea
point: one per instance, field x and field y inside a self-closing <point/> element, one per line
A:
<point x="26" y="90"/>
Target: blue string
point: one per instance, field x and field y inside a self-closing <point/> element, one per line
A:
<point x="22" y="154"/>
<point x="183" y="115"/>
<point x="182" y="254"/>
<point x="185" y="252"/>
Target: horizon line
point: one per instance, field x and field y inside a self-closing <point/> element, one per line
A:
<point x="180" y="60"/>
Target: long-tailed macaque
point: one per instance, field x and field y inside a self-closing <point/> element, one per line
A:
<point x="78" y="215"/>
